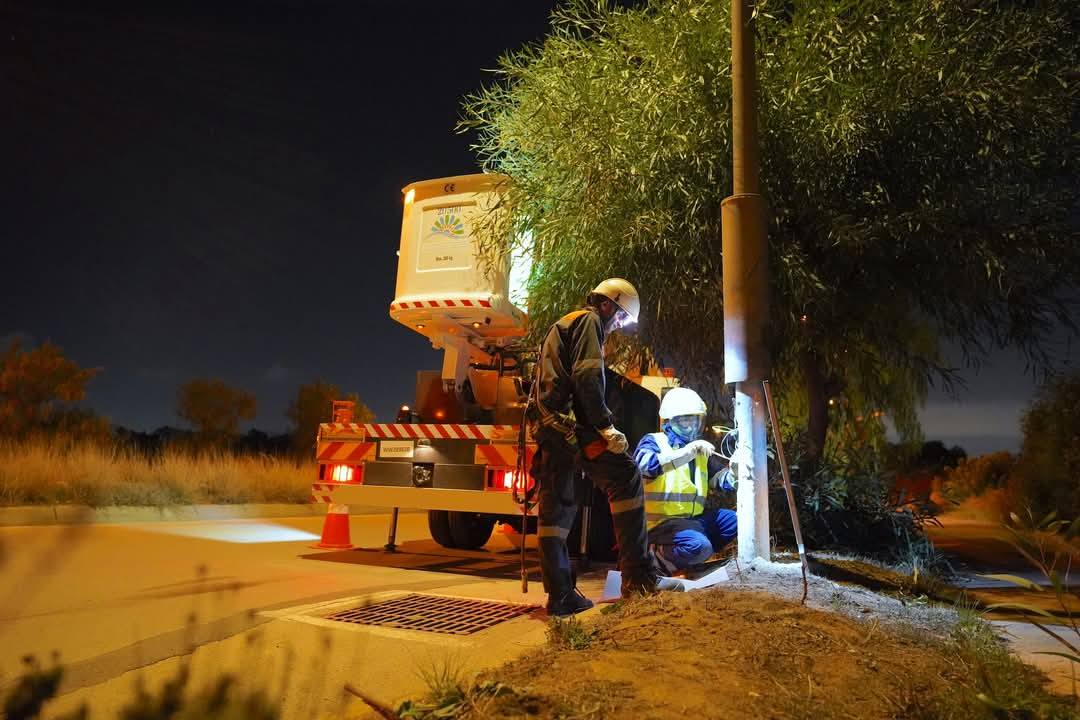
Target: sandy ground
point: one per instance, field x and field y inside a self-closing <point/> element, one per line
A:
<point x="743" y="649"/>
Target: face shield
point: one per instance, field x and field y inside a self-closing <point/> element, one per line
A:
<point x="618" y="320"/>
<point x="687" y="427"/>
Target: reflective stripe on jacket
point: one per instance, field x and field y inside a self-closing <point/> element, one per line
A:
<point x="674" y="493"/>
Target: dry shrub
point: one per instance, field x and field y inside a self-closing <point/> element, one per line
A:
<point x="40" y="471"/>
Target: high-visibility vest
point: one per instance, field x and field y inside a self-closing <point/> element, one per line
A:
<point x="675" y="493"/>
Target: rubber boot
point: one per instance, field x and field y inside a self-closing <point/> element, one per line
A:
<point x="570" y="603"/>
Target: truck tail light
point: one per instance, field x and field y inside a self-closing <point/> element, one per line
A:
<point x="343" y="473"/>
<point x="503" y="479"/>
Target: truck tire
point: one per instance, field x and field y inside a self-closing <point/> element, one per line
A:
<point x="470" y="530"/>
<point x="438" y="522"/>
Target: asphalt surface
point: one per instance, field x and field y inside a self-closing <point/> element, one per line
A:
<point x="127" y="595"/>
<point x="123" y="603"/>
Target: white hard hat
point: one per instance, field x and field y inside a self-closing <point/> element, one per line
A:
<point x="681" y="401"/>
<point x="622" y="293"/>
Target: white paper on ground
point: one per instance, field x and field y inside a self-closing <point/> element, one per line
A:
<point x="613" y="583"/>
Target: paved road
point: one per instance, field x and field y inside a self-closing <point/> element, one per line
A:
<point x="122" y="602"/>
<point x="977" y="548"/>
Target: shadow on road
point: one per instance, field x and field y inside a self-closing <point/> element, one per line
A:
<point x="428" y="555"/>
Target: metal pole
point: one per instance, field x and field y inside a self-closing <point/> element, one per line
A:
<point x="391" y="540"/>
<point x="775" y="421"/>
<point x="745" y="292"/>
<point x="744" y="138"/>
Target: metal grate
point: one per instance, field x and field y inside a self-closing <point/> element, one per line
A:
<point x="431" y="613"/>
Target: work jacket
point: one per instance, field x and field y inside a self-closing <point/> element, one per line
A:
<point x="571" y="370"/>
<point x="670" y="492"/>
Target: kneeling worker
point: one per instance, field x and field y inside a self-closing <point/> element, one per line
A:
<point x="677" y="472"/>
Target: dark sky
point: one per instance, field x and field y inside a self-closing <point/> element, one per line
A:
<point x="217" y="193"/>
<point x="213" y="190"/>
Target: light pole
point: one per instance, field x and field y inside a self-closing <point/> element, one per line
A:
<point x="745" y="268"/>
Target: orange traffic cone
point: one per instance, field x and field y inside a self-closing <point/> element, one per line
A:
<point x="335" y="532"/>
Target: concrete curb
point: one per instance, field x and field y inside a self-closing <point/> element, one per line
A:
<point x="83" y="514"/>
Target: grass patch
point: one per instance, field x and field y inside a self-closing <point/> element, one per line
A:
<point x="40" y="472"/>
<point x="175" y="700"/>
<point x="570" y="633"/>
<point x="996" y="683"/>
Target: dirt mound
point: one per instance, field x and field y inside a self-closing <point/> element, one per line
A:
<point x="730" y="654"/>
<point x="748" y="649"/>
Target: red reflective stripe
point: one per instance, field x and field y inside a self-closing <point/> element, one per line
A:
<point x="491" y="454"/>
<point x="329" y="450"/>
<point x="449" y="303"/>
<point x="441" y="429"/>
<point x="433" y="303"/>
<point x="360" y="450"/>
<point x="485" y="303"/>
<point x="467" y="303"/>
<point x="475" y="431"/>
<point x="393" y="431"/>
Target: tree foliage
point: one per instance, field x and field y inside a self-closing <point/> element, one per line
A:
<point x="35" y="388"/>
<point x="312" y="406"/>
<point x="919" y="160"/>
<point x="214" y="409"/>
<point x="1050" y="452"/>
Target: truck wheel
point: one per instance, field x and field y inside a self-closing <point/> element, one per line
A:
<point x="470" y="530"/>
<point x="438" y="522"/>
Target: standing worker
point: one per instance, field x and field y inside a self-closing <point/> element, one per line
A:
<point x="570" y="379"/>
<point x="679" y="468"/>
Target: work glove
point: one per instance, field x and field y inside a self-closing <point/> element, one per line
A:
<point x="724" y="479"/>
<point x="701" y="447"/>
<point x="616" y="441"/>
<point x="681" y="456"/>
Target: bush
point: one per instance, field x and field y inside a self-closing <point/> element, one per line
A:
<point x="1049" y="469"/>
<point x="849" y="502"/>
<point x="52" y="472"/>
<point x="974" y="476"/>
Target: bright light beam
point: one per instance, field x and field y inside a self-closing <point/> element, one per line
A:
<point x="235" y="532"/>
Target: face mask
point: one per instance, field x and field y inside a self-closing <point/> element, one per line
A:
<point x="619" y="319"/>
<point x="686" y="427"/>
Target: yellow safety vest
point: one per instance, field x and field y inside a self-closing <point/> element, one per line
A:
<point x="674" y="493"/>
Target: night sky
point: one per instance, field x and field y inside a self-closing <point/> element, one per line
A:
<point x="216" y="193"/>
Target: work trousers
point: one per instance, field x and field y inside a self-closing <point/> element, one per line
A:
<point x="682" y="542"/>
<point x="555" y="467"/>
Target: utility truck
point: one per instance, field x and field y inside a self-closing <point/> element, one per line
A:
<point x="460" y="449"/>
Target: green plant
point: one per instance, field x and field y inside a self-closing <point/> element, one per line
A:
<point x="1050" y="452"/>
<point x="995" y="684"/>
<point x="1048" y="545"/>
<point x="570" y="633"/>
<point x="35" y="687"/>
<point x="446" y="696"/>
<point x="174" y="701"/>
<point x="937" y="182"/>
<point x="974" y="476"/>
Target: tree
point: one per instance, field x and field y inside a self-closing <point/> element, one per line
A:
<point x="312" y="406"/>
<point x="214" y="409"/>
<point x="919" y="159"/>
<point x="1050" y="451"/>
<point x="34" y="385"/>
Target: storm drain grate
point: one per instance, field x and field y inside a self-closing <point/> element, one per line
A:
<point x="431" y="613"/>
